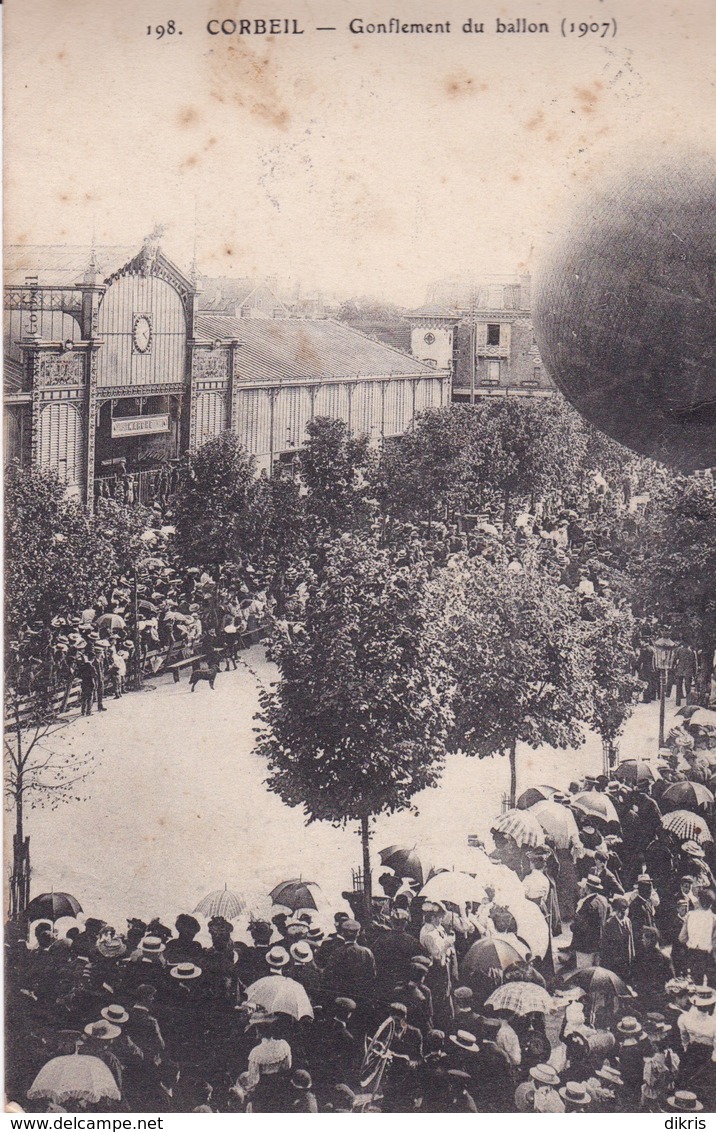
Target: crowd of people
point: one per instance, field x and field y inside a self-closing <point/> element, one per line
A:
<point x="144" y="625"/>
<point x="424" y="1004"/>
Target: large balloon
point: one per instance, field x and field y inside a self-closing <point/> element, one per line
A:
<point x="625" y="312"/>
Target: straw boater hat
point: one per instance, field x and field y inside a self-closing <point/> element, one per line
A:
<point x="115" y="1014"/>
<point x="574" y="1092"/>
<point x="151" y="945"/>
<point x="185" y="971"/>
<point x="683" y="1101"/>
<point x="544" y="1075"/>
<point x="301" y="952"/>
<point x="703" y="996"/>
<point x="609" y="1074"/>
<point x="629" y="1026"/>
<point x="104" y="1031"/>
<point x="277" y="957"/>
<point x="463" y="1039"/>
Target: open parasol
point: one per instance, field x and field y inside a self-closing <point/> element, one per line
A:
<point x="453" y="887"/>
<point x="406" y="863"/>
<point x="558" y="823"/>
<point x="295" y="894"/>
<point x="221" y="902"/>
<point x="521" y="998"/>
<point x="52" y="906"/>
<point x="595" y="804"/>
<point x="598" y="979"/>
<point x="687" y="796"/>
<point x="489" y="957"/>
<point x="74" y="1077"/>
<point x="111" y="621"/>
<point x="535" y="794"/>
<point x="633" y="771"/>
<point x="277" y="994"/>
<point x="522" y="826"/>
<point x="687" y="826"/>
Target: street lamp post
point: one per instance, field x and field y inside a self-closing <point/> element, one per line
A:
<point x="664" y="650"/>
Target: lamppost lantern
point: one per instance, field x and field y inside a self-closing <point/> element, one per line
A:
<point x="664" y="650"/>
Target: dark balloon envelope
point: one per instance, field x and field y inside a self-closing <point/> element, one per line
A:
<point x="625" y="313"/>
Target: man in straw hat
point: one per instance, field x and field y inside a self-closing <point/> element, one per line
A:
<point x="539" y="1093"/>
<point x="589" y="920"/>
<point x="697" y="1028"/>
<point x="575" y="1096"/>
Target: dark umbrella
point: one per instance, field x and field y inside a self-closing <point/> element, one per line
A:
<point x="52" y="906"/>
<point x="405" y="863"/>
<point x="688" y="711"/>
<point x="593" y="979"/>
<point x="535" y="794"/>
<point x="687" y="796"/>
<point x="488" y="955"/>
<point x="633" y="771"/>
<point x="295" y="894"/>
<point x="147" y="606"/>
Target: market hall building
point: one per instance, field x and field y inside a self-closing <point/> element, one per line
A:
<point x="112" y="371"/>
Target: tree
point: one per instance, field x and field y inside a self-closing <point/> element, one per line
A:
<point x="358" y="721"/>
<point x="421" y="474"/>
<point x="520" y="658"/>
<point x="56" y="558"/>
<point x="123" y="527"/>
<point x="279" y="531"/>
<point x="610" y="638"/>
<point x="677" y="572"/>
<point x="333" y="465"/>
<point x="522" y="449"/>
<point x="214" y="501"/>
<point x="39" y="772"/>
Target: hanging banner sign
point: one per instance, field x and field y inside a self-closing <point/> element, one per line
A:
<point x="133" y="426"/>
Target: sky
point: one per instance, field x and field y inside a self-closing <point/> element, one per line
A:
<point x="357" y="164"/>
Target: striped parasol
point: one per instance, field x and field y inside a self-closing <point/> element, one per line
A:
<point x="222" y="902"/>
<point x="522" y="826"/>
<point x="521" y="998"/>
<point x="687" y="826"/>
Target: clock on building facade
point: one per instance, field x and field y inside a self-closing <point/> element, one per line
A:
<point x="142" y="333"/>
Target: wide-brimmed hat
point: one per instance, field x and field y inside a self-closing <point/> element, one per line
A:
<point x="424" y="962"/>
<point x="151" y="945"/>
<point x="574" y="1092"/>
<point x="185" y="971"/>
<point x="296" y="929"/>
<point x="545" y="1074"/>
<point x="277" y="957"/>
<point x="115" y="1014"/>
<point x="685" y="1101"/>
<point x="594" y="882"/>
<point x="104" y="1031"/>
<point x="693" y="849"/>
<point x="301" y="952"/>
<point x="630" y="1026"/>
<point x="399" y="1008"/>
<point x="463" y="1039"/>
<point x="315" y="934"/>
<point x="609" y="1074"/>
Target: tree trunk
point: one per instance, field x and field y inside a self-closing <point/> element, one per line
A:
<point x="20" y="880"/>
<point x="513" y="774"/>
<point x="367" y="879"/>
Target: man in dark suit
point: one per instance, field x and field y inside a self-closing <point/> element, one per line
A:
<point x="351" y="968"/>
<point x="616" y="951"/>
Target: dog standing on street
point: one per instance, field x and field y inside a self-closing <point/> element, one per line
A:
<point x="198" y="674"/>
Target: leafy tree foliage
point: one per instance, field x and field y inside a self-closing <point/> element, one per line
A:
<point x="56" y="558"/>
<point x="610" y="638"/>
<point x="358" y="722"/>
<point x="677" y="572"/>
<point x="520" y="656"/>
<point x="333" y="466"/>
<point x="122" y="527"/>
<point x="214" y="502"/>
